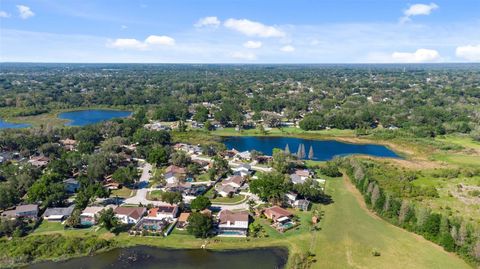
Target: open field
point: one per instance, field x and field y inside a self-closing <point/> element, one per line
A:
<point x="123" y="193"/>
<point x="229" y="200"/>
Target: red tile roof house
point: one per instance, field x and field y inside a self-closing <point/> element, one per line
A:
<point x="233" y="224"/>
<point x="129" y="215"/>
<point x="275" y="212"/>
<point x="22" y="211"/>
<point x="169" y="212"/>
<point x="183" y="221"/>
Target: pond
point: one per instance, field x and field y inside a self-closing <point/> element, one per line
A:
<point x="8" y="125"/>
<point x="151" y="257"/>
<point x="323" y="150"/>
<point x="92" y="116"/>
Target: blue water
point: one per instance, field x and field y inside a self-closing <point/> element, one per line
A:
<point x="92" y="116"/>
<point x="323" y="150"/>
<point x="7" y="125"/>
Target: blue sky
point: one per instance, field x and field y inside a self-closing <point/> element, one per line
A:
<point x="233" y="31"/>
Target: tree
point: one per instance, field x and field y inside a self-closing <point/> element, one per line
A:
<point x="281" y="161"/>
<point x="201" y="114"/>
<point x="208" y="126"/>
<point x="200" y="203"/>
<point x="287" y="149"/>
<point x="270" y="187"/>
<point x="220" y="165"/>
<point x="171" y="197"/>
<point x="107" y="219"/>
<point x="49" y="189"/>
<point x="199" y="225"/>
<point x="74" y="219"/>
<point x="158" y="155"/>
<point x="126" y="175"/>
<point x="310" y="153"/>
<point x="310" y="190"/>
<point x="180" y="158"/>
<point x="330" y="169"/>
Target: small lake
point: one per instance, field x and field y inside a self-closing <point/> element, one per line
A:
<point x="91" y="116"/>
<point x="8" y="125"/>
<point x="151" y="257"/>
<point x="323" y="150"/>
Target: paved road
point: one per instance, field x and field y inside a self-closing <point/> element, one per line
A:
<point x="143" y="189"/>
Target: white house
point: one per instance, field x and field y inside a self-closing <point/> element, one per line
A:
<point x="234" y="224"/>
<point x="242" y="170"/>
<point x="163" y="212"/>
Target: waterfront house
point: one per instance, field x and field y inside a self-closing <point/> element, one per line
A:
<point x="29" y="211"/>
<point x="232" y="223"/>
<point x="242" y="170"/>
<point x="58" y="213"/>
<point x="163" y="212"/>
<point x="129" y="215"/>
<point x="183" y="221"/>
<point x="90" y="214"/>
<point x="275" y="213"/>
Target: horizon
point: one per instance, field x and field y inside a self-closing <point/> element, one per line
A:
<point x="240" y="32"/>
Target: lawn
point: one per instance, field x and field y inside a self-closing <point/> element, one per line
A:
<point x="154" y="195"/>
<point x="123" y="193"/>
<point x="236" y="199"/>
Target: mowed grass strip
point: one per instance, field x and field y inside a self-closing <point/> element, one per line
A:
<point x="350" y="233"/>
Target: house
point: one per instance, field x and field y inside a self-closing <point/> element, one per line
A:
<point x="234" y="181"/>
<point x="302" y="204"/>
<point x="58" y="213"/>
<point x="290" y="198"/>
<point x="226" y="190"/>
<point x="303" y="173"/>
<point x="174" y="174"/>
<point x="68" y="144"/>
<point x="182" y="221"/>
<point x="39" y="161"/>
<point x="163" y="212"/>
<point x="22" y="211"/>
<point x="242" y="170"/>
<point x="244" y="155"/>
<point x="129" y="215"/>
<point x="233" y="223"/>
<point x="89" y="215"/>
<point x="300" y="176"/>
<point x="176" y="170"/>
<point x="275" y="213"/>
<point x="230" y="153"/>
<point x="71" y="185"/>
<point x="296" y="179"/>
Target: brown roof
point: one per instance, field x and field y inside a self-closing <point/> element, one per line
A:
<point x="276" y="212"/>
<point x="133" y="212"/>
<point x="183" y="217"/>
<point x="175" y="169"/>
<point x="226" y="216"/>
<point x="234" y="179"/>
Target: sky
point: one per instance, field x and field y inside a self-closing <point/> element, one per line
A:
<point x="234" y="31"/>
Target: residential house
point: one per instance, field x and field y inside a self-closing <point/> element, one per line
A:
<point x="69" y="144"/>
<point x="226" y="190"/>
<point x="58" y="213"/>
<point x="29" y="211"/>
<point x="168" y="212"/>
<point x="275" y="213"/>
<point x="39" y="161"/>
<point x="130" y="215"/>
<point x="183" y="221"/>
<point x="71" y="185"/>
<point x="242" y="170"/>
<point x="174" y="174"/>
<point x="235" y="181"/>
<point x="244" y="156"/>
<point x="302" y="204"/>
<point x="290" y="198"/>
<point x="300" y="176"/>
<point x="89" y="215"/>
<point x="232" y="223"/>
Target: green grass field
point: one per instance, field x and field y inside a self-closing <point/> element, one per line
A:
<point x="229" y="200"/>
<point x="123" y="193"/>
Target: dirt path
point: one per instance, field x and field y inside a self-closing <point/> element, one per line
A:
<point x="358" y="196"/>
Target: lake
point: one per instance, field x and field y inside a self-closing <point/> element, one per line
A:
<point x="151" y="257"/>
<point x="7" y="125"/>
<point x="323" y="150"/>
<point x="92" y="116"/>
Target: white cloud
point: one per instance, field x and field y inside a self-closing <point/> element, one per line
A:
<point x="4" y="14"/>
<point x="252" y="28"/>
<point x="418" y="9"/>
<point x="160" y="40"/>
<point x="419" y="56"/>
<point x="150" y="41"/>
<point x="25" y="12"/>
<point x="287" y="48"/>
<point x="127" y="43"/>
<point x="208" y="21"/>
<point x="252" y="44"/>
<point x="469" y="52"/>
<point x="123" y="27"/>
<point x="239" y="55"/>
